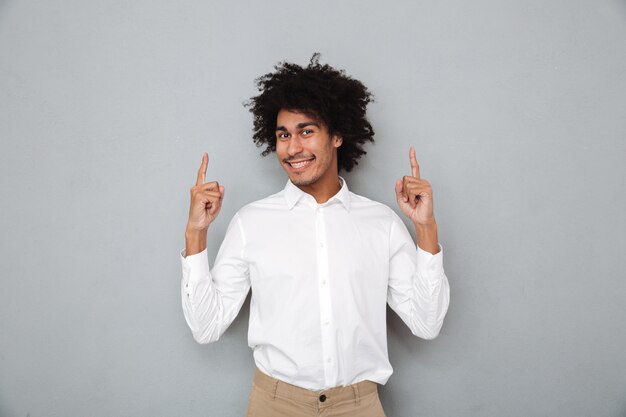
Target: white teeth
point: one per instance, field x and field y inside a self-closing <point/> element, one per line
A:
<point x="299" y="164"/>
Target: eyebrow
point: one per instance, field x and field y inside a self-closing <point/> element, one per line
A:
<point x="299" y="126"/>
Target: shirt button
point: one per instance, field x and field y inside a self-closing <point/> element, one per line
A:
<point x="329" y="360"/>
<point x="321" y="244"/>
<point x="323" y="283"/>
<point x="322" y="398"/>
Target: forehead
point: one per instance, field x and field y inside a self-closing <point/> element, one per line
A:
<point x="288" y="118"/>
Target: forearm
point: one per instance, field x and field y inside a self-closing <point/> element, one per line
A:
<point x="202" y="309"/>
<point x="212" y="297"/>
<point x="428" y="309"/>
<point x="427" y="238"/>
<point x="418" y="288"/>
<point x="420" y="293"/>
<point x="195" y="241"/>
<point x="210" y="303"/>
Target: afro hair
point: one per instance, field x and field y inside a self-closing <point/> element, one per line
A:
<point x="320" y="91"/>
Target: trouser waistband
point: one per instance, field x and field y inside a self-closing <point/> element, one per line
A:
<point x="321" y="399"/>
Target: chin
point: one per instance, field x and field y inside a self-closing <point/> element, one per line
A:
<point x="300" y="181"/>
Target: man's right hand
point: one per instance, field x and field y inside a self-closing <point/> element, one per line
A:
<point x="206" y="201"/>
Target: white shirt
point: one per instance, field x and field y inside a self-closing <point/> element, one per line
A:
<point x="321" y="275"/>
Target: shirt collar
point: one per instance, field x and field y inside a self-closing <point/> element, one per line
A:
<point x="293" y="194"/>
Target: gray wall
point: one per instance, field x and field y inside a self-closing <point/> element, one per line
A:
<point x="517" y="110"/>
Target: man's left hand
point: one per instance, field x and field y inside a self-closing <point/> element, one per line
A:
<point x="415" y="195"/>
<point x="415" y="199"/>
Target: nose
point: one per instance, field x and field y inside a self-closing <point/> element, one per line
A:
<point x="295" y="145"/>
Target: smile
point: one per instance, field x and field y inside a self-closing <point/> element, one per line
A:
<point x="300" y="163"/>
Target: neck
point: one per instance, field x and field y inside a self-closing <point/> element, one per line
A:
<point x="322" y="192"/>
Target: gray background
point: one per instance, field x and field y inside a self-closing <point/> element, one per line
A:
<point x="516" y="108"/>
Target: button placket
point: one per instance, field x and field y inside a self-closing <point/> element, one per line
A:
<point x="328" y="342"/>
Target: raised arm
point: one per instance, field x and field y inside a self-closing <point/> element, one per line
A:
<point x="211" y="298"/>
<point x="418" y="287"/>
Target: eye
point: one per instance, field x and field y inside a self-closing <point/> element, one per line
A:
<point x="282" y="135"/>
<point x="307" y="132"/>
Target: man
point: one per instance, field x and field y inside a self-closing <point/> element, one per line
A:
<point x="322" y="262"/>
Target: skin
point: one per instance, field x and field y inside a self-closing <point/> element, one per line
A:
<point x="308" y="154"/>
<point x="415" y="198"/>
<point x="206" y="202"/>
<point x="303" y="140"/>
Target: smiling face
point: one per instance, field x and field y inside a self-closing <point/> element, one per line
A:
<point x="307" y="152"/>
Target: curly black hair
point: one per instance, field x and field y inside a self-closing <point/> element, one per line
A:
<point x="320" y="91"/>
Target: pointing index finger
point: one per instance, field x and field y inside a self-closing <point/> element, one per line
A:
<point x="415" y="168"/>
<point x="202" y="170"/>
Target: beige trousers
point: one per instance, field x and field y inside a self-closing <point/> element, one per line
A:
<point x="273" y="398"/>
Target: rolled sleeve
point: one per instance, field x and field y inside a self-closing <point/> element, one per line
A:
<point x="211" y="299"/>
<point x="430" y="266"/>
<point x="195" y="267"/>
<point x="418" y="287"/>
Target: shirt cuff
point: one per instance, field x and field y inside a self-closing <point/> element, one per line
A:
<point x="429" y="264"/>
<point x="195" y="267"/>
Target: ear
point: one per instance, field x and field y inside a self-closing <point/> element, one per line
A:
<point x="337" y="141"/>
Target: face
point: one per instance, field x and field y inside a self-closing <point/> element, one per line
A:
<point x="305" y="149"/>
